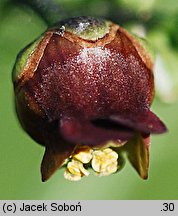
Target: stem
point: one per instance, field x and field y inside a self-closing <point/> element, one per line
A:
<point x="49" y="10"/>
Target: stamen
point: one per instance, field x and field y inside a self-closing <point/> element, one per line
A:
<point x="83" y="154"/>
<point x="104" y="162"/>
<point x="75" y="171"/>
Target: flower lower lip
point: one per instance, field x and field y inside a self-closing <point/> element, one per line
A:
<point x="82" y="131"/>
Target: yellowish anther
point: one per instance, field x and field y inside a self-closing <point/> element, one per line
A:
<point x="74" y="167"/>
<point x="75" y="171"/>
<point x="71" y="177"/>
<point x="104" y="162"/>
<point x="83" y="154"/>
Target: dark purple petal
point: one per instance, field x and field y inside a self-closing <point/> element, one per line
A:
<point x="84" y="131"/>
<point x="54" y="158"/>
<point x="143" y="121"/>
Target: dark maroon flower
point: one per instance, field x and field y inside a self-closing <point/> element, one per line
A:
<point x="87" y="83"/>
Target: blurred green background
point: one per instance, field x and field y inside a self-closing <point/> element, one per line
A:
<point x="20" y="156"/>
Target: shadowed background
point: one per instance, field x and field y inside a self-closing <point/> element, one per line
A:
<point x="20" y="156"/>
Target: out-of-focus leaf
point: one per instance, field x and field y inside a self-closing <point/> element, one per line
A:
<point x="138" y="5"/>
<point x="166" y="76"/>
<point x="164" y="83"/>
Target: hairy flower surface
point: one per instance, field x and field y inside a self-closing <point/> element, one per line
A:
<point x="87" y="82"/>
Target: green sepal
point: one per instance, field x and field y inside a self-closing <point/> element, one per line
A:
<point x="23" y="57"/>
<point x="147" y="46"/>
<point x="91" y="32"/>
<point x="138" y="154"/>
<point x="87" y="28"/>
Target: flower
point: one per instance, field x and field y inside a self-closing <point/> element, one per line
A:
<point x="84" y="90"/>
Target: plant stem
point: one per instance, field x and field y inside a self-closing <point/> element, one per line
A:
<point x="49" y="10"/>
